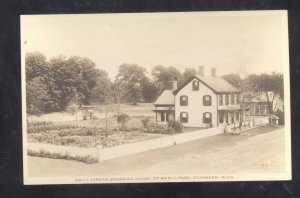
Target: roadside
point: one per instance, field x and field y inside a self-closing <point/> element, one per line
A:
<point x="259" y="150"/>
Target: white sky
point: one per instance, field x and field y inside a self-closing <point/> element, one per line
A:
<point x="247" y="42"/>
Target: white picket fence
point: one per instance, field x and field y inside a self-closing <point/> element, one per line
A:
<point x="102" y="154"/>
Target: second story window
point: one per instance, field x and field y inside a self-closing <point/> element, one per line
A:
<point x="221" y="100"/>
<point x="232" y="99"/>
<point x="195" y="85"/>
<point x="226" y="99"/>
<point x="238" y="99"/>
<point x="184" y="101"/>
<point x="206" y="100"/>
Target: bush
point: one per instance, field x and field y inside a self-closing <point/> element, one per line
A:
<point x="157" y="128"/>
<point x="145" y="122"/>
<point x="176" y="125"/>
<point x="123" y="119"/>
<point x="42" y="153"/>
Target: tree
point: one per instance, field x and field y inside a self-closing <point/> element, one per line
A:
<point x="164" y="76"/>
<point x="36" y="65"/>
<point x="129" y="83"/>
<point x="188" y="73"/>
<point x="102" y="96"/>
<point x="88" y="74"/>
<point x="36" y="96"/>
<point x="271" y="85"/>
<point x="73" y="109"/>
<point x="149" y="91"/>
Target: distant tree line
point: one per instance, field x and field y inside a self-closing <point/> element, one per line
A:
<point x="54" y="84"/>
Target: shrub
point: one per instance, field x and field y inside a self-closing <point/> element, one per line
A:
<point x="123" y="119"/>
<point x="145" y="122"/>
<point x="42" y="153"/>
<point x="176" y="125"/>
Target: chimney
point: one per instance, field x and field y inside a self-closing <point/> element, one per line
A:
<point x="201" y="71"/>
<point x="174" y="84"/>
<point x="213" y="72"/>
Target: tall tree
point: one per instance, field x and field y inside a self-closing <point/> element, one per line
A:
<point x="188" y="73"/>
<point x="149" y="91"/>
<point x="36" y="96"/>
<point x="36" y="65"/>
<point x="129" y="83"/>
<point x="163" y="77"/>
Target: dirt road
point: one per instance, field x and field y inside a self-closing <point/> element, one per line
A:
<point x="259" y="151"/>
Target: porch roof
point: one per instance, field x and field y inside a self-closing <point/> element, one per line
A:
<point x="166" y="98"/>
<point x="164" y="109"/>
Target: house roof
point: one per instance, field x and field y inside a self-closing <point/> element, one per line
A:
<point x="217" y="84"/>
<point x="166" y="98"/>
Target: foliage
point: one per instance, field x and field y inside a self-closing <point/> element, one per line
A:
<point x="52" y="85"/>
<point x="36" y="96"/>
<point x="163" y="77"/>
<point x="123" y="120"/>
<point x="149" y="91"/>
<point x="176" y="125"/>
<point x="161" y="129"/>
<point x="129" y="83"/>
<point x="42" y="153"/>
<point x="73" y="109"/>
<point x="145" y="122"/>
<point x="188" y="73"/>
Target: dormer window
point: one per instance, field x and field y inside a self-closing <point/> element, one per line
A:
<point x="195" y="85"/>
<point x="206" y="100"/>
<point x="184" y="101"/>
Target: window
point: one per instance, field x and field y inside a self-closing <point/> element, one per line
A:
<point x="184" y="117"/>
<point x="232" y="98"/>
<point x="207" y="100"/>
<point x="183" y="101"/>
<point x="238" y="99"/>
<point x="237" y="115"/>
<point x="226" y="116"/>
<point x="221" y="100"/>
<point x="221" y="117"/>
<point x="266" y="110"/>
<point x="232" y="117"/>
<point x="226" y="99"/>
<point x="207" y="118"/>
<point x="162" y="116"/>
<point x="256" y="110"/>
<point x="195" y="85"/>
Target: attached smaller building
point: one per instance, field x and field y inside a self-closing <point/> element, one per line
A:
<point x="164" y="107"/>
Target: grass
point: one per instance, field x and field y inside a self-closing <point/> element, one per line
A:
<point x="42" y="153"/>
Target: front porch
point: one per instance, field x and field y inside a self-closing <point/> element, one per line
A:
<point x="164" y="114"/>
<point x="229" y="116"/>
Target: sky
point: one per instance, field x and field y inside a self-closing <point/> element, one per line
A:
<point x="232" y="42"/>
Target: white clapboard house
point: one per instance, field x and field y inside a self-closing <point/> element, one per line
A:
<point x="202" y="101"/>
